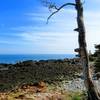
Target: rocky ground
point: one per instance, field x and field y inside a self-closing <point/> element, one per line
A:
<point x="12" y="75"/>
<point x="41" y="91"/>
<point x="42" y="80"/>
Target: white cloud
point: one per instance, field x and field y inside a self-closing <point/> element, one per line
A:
<point x="60" y="20"/>
<point x="4" y="42"/>
<point x="92" y="21"/>
<point x="58" y="35"/>
<point x="58" y="42"/>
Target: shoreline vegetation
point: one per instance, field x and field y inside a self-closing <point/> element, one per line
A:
<point x="26" y="72"/>
<point x="29" y="75"/>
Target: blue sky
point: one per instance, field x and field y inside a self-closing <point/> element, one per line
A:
<point x="23" y="28"/>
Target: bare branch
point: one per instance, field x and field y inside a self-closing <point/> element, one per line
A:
<point x="49" y="4"/>
<point x="58" y="9"/>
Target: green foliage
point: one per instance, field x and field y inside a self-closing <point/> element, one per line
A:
<point x="91" y="58"/>
<point x="97" y="55"/>
<point x="76" y="95"/>
<point x="79" y="96"/>
<point x="76" y="98"/>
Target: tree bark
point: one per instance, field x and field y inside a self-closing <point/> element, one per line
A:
<point x="90" y="87"/>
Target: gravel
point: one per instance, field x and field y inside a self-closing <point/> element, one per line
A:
<point x="77" y="85"/>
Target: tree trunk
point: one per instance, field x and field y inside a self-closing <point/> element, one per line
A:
<point x="90" y="87"/>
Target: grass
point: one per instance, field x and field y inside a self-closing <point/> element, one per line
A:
<point x="52" y="92"/>
<point x="74" y="96"/>
<point x="65" y="95"/>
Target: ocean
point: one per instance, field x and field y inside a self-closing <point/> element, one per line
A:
<point x="14" y="58"/>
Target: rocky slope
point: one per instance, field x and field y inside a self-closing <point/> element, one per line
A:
<point x="27" y="72"/>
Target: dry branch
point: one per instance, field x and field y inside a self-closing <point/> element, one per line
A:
<point x="58" y="9"/>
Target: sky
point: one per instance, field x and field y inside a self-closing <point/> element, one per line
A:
<point x="23" y="28"/>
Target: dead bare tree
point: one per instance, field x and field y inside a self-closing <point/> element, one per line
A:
<point x="92" y="91"/>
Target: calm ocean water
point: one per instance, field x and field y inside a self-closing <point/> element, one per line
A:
<point x="17" y="58"/>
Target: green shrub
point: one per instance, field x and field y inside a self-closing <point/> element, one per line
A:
<point x="97" y="56"/>
<point x="76" y="97"/>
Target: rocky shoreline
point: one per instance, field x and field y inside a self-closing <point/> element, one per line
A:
<point x="27" y="72"/>
<point x="66" y="71"/>
<point x="53" y="79"/>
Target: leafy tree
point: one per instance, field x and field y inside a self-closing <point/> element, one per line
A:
<point x="82" y="50"/>
<point x="97" y="55"/>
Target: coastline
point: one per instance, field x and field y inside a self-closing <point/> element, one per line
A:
<point x="15" y="58"/>
<point x="26" y="72"/>
<point x="58" y="78"/>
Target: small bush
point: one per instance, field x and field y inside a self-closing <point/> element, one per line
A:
<point x="76" y="97"/>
